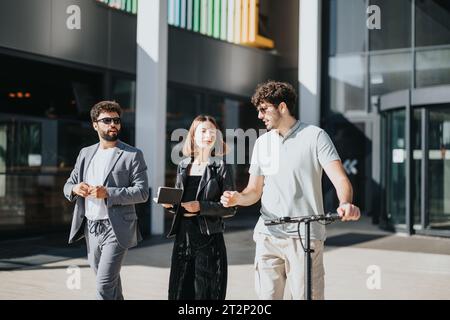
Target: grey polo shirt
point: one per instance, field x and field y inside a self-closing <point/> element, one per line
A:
<point x="292" y="170"/>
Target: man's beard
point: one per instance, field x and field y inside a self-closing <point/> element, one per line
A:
<point x="109" y="138"/>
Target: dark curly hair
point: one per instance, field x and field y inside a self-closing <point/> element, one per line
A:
<point x="105" y="106"/>
<point x="275" y="92"/>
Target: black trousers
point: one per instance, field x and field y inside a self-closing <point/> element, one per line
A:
<point x="199" y="264"/>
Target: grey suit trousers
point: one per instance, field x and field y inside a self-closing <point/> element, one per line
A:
<point x="105" y="257"/>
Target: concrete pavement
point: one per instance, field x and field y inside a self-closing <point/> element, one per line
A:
<point x="361" y="262"/>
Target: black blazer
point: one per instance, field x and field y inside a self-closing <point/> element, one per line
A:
<point x="216" y="179"/>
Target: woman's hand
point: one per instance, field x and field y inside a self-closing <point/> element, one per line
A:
<point x="167" y="206"/>
<point x="192" y="206"/>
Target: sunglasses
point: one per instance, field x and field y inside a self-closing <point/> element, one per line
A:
<point x="263" y="110"/>
<point x="109" y="120"/>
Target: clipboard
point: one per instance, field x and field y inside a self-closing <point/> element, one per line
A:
<point x="169" y="195"/>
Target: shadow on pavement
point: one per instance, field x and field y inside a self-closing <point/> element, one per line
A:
<point x="351" y="239"/>
<point x="156" y="251"/>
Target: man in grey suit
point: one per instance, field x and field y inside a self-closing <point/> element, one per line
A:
<point x="109" y="178"/>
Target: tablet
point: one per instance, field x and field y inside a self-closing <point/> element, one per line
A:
<point x="169" y="195"/>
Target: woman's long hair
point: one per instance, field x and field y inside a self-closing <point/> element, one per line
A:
<point x="220" y="148"/>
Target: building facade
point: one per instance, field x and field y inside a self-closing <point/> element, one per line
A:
<point x="57" y="58"/>
<point x="385" y="100"/>
<point x="373" y="73"/>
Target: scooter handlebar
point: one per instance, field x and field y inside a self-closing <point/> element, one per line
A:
<point x="329" y="217"/>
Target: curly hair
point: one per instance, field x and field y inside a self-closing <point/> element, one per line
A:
<point x="105" y="106"/>
<point x="275" y="92"/>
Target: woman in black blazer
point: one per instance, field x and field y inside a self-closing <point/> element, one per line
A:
<point x="199" y="259"/>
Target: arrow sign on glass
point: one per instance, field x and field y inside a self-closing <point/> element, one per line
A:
<point x="350" y="166"/>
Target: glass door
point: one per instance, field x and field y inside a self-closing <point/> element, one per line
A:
<point x="415" y="153"/>
<point x="438" y="171"/>
<point x="395" y="168"/>
<point x="396" y="165"/>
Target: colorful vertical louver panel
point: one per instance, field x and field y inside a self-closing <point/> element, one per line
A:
<point x="223" y="19"/>
<point x="252" y="21"/>
<point x="210" y="22"/>
<point x="196" y="16"/>
<point x="245" y="14"/>
<point x="204" y="17"/>
<point x="237" y="20"/>
<point x="171" y="12"/>
<point x="177" y="13"/>
<point x="216" y="18"/>
<point x="230" y="18"/>
<point x="129" y="6"/>
<point x="183" y="14"/>
<point x="234" y="21"/>
<point x="189" y="16"/>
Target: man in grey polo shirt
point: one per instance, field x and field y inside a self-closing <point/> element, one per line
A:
<point x="286" y="174"/>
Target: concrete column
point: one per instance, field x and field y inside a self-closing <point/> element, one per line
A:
<point x="152" y="34"/>
<point x="309" y="60"/>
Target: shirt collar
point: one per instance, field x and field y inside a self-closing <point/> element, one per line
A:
<point x="291" y="131"/>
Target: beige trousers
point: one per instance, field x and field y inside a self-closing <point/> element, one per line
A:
<point x="280" y="260"/>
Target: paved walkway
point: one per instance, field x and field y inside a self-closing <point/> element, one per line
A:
<point x="361" y="262"/>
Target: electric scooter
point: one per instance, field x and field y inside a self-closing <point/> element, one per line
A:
<point x="327" y="218"/>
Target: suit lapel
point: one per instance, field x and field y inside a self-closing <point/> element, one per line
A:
<point x="89" y="155"/>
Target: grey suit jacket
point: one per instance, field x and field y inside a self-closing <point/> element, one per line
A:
<point x="126" y="183"/>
